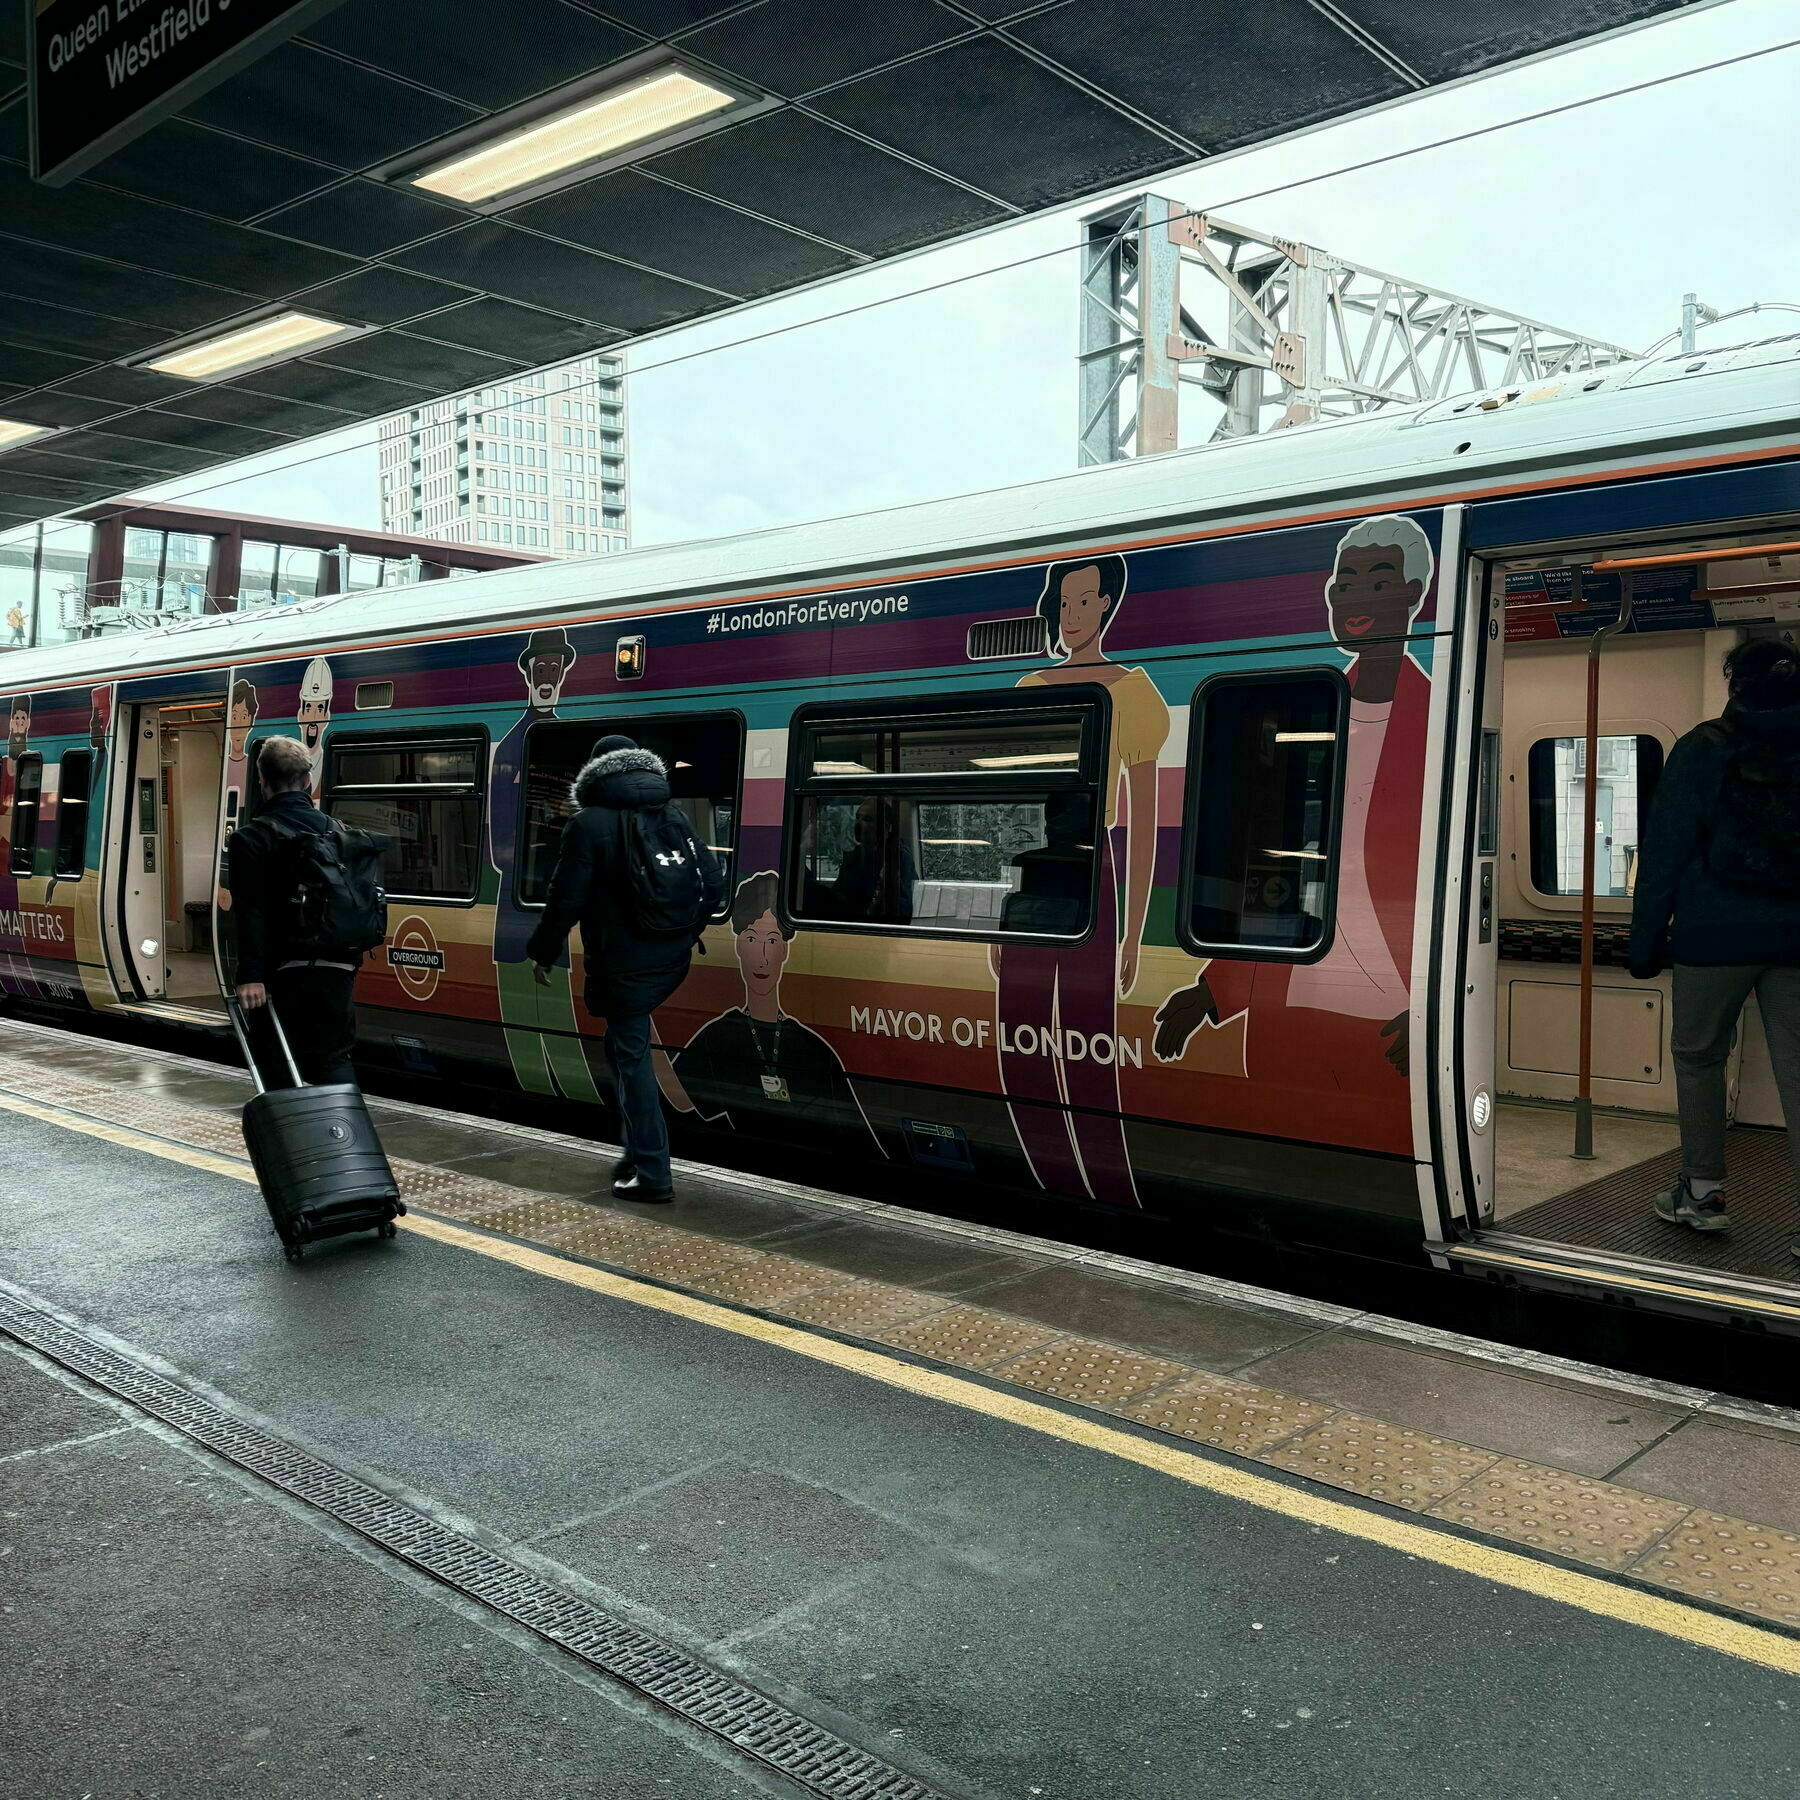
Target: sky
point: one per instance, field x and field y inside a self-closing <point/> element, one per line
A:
<point x="866" y="393"/>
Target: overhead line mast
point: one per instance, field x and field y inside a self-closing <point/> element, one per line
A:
<point x="1305" y="335"/>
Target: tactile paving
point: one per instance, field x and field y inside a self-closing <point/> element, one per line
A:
<point x="1232" y="1415"/>
<point x="1550" y="1509"/>
<point x="677" y="1256"/>
<point x="450" y="1195"/>
<point x="1712" y="1556"/>
<point x="599" y="1233"/>
<point x="1385" y="1462"/>
<point x="970" y="1337"/>
<point x="860" y="1308"/>
<point x="167" y="1119"/>
<point x="1092" y="1373"/>
<point x="768" y="1280"/>
<point x="532" y="1216"/>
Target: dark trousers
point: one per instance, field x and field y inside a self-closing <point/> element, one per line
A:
<point x="318" y="1016"/>
<point x="645" y="1131"/>
<point x="1708" y="1001"/>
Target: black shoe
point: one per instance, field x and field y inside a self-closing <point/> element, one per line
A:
<point x="624" y="1169"/>
<point x="1680" y="1206"/>
<point x="633" y="1189"/>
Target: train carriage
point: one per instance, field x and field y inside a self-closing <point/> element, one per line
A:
<point x="1197" y="838"/>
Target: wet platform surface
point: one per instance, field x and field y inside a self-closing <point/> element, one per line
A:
<point x="997" y="1610"/>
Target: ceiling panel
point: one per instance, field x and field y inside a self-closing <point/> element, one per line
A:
<point x="183" y="163"/>
<point x="492" y="256"/>
<point x="401" y="358"/>
<point x="663" y="18"/>
<point x="363" y="218"/>
<point x="1280" y="66"/>
<point x="463" y="49"/>
<point x="362" y="396"/>
<point x="237" y="406"/>
<point x="380" y="296"/>
<point x="881" y="128"/>
<point x="990" y="116"/>
<point x="627" y="214"/>
<point x="1443" y="42"/>
<point x="806" y="173"/>
<point x="507" y="330"/>
<point x="166" y="239"/>
<point x="321" y="106"/>
<point x="793" y="46"/>
<point x="57" y="406"/>
<point x="73" y="333"/>
<point x="37" y="272"/>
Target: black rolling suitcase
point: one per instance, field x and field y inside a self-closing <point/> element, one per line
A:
<point x="318" y="1161"/>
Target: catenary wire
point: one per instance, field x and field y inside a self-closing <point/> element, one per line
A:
<point x="952" y="281"/>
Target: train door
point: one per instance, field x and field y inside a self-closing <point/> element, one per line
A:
<point x="172" y="758"/>
<point x="1558" y="1200"/>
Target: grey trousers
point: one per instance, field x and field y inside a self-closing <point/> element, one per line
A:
<point x="1708" y="1001"/>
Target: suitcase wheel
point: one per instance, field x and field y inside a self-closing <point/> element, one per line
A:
<point x="390" y="1229"/>
<point x="292" y="1252"/>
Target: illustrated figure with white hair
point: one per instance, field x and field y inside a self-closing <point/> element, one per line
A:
<point x="1346" y="1014"/>
<point x="315" y="716"/>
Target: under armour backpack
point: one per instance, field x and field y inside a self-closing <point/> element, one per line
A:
<point x="1753" y="837"/>
<point x="665" y="889"/>
<point x="335" y="905"/>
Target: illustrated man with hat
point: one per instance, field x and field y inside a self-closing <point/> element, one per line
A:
<point x="545" y="662"/>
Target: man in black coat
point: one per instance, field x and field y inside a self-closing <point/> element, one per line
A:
<point x="314" y="995"/>
<point x="1718" y="895"/>
<point x="628" y="973"/>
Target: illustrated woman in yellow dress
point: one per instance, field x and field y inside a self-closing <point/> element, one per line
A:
<point x="1062" y="1079"/>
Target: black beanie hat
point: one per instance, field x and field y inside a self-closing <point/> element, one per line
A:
<point x="613" y="741"/>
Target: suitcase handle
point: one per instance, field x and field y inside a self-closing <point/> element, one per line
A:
<point x="243" y="1037"/>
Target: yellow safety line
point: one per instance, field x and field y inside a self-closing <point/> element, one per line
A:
<point x="1569" y="1587"/>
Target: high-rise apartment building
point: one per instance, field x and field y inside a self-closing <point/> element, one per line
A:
<point x="536" y="463"/>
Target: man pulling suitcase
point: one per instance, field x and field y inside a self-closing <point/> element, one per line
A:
<point x="308" y="906"/>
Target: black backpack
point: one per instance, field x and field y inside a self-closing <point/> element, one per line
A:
<point x="1753" y="840"/>
<point x="329" y="885"/>
<point x="665" y="889"/>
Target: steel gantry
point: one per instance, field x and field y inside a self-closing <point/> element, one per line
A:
<point x="1277" y="333"/>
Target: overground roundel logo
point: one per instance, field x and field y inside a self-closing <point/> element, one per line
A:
<point x="415" y="958"/>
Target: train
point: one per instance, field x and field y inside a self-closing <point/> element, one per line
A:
<point x="1195" y="839"/>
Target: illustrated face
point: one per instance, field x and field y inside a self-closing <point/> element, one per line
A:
<point x="314" y="716"/>
<point x="1369" y="596"/>
<point x="762" y="954"/>
<point x="1082" y="608"/>
<point x="242" y="718"/>
<point x="544" y="679"/>
<point x="18" y="730"/>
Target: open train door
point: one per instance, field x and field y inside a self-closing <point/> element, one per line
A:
<point x="1454" y="1008"/>
<point x="141" y="844"/>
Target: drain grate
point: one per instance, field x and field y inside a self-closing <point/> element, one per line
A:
<point x="817" y="1760"/>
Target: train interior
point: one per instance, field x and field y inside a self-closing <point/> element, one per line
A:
<point x="170" y="866"/>
<point x="1656" y="682"/>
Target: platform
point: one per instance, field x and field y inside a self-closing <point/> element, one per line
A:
<point x="1008" y="1516"/>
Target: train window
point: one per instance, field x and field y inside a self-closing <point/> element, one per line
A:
<point x="1265" y="797"/>
<point x="704" y="756"/>
<point x="949" y="821"/>
<point x="28" y="785"/>
<point x="1626" y="774"/>
<point x="74" y="785"/>
<point x="423" y="792"/>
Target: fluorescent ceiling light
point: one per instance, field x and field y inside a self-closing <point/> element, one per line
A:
<point x="597" y="128"/>
<point x="268" y="340"/>
<point x="1306" y="737"/>
<point x="15" y="431"/>
<point x="972" y="843"/>
<point x="841" y="768"/>
<point x="1301" y="855"/>
<point x="1035" y="761"/>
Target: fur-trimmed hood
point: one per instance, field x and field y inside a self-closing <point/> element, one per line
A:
<point x="623" y="778"/>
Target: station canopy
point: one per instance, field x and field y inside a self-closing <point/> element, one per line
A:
<point x="391" y="174"/>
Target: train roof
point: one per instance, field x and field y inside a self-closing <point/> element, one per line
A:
<point x="1502" y="440"/>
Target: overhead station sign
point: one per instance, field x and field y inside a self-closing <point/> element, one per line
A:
<point x="103" y="71"/>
